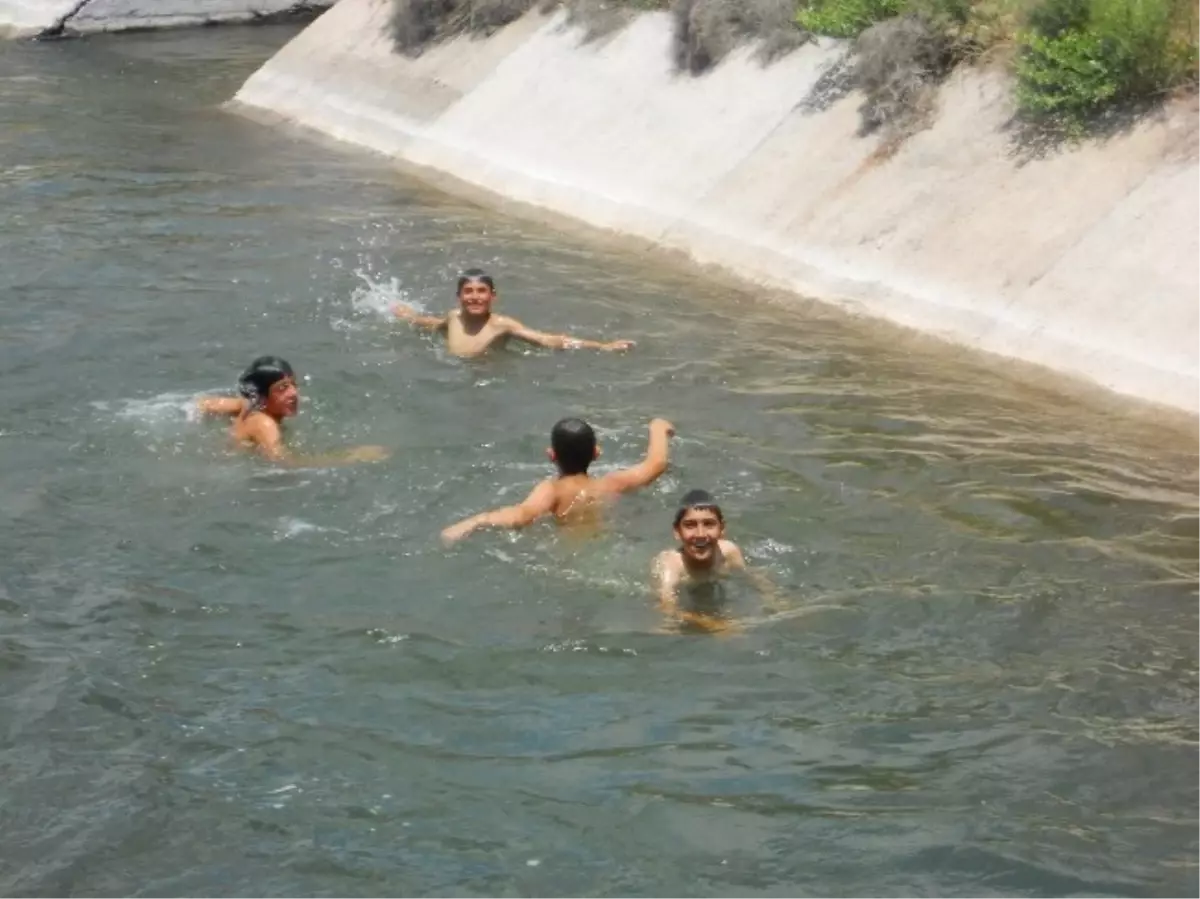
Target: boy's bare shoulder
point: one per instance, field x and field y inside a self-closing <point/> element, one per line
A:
<point x="668" y="562"/>
<point x="258" y="427"/>
<point x="505" y="323"/>
<point x="732" y="554"/>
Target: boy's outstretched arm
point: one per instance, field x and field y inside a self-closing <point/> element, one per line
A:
<point x="221" y="405"/>
<point x="666" y="581"/>
<point x="268" y="440"/>
<point x="560" y="341"/>
<point x="650" y="468"/>
<point x="539" y="502"/>
<point x="407" y="313"/>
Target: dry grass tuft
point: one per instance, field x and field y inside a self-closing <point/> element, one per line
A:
<point x="707" y="30"/>
<point x="897" y="64"/>
<point x="417" y="23"/>
<point x="598" y="18"/>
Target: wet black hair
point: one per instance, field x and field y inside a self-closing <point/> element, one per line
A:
<point x="474" y="274"/>
<point x="574" y="445"/>
<point x="698" y="499"/>
<point x="255" y="382"/>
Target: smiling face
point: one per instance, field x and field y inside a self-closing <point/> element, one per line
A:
<point x="283" y="399"/>
<point x="475" y="298"/>
<point x="699" y="531"/>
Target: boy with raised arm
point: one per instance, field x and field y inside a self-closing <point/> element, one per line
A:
<point x="473" y="328"/>
<point x="688" y="578"/>
<point x="269" y="395"/>
<point x="574" y="496"/>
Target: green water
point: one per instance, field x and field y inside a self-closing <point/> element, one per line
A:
<point x="221" y="679"/>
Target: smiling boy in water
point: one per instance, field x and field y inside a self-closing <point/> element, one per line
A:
<point x="574" y="497"/>
<point x="269" y="395"/>
<point x="473" y="328"/>
<point x="688" y="578"/>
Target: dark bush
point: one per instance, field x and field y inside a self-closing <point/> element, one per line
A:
<point x="707" y="30"/>
<point x="896" y="64"/>
<point x="1051" y="18"/>
<point x="599" y="18"/>
<point x="416" y="23"/>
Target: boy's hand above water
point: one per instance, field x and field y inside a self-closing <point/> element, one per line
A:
<point x="454" y="533"/>
<point x="651" y="467"/>
<point x="617" y="346"/>
<point x="367" y="454"/>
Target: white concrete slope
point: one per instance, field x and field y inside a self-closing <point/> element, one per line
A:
<point x="1085" y="262"/>
<point x="29" y="18"/>
<point x="22" y="18"/>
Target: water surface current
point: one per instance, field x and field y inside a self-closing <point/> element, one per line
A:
<point x="222" y="678"/>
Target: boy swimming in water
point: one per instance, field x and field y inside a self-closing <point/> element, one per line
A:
<point x="696" y="567"/>
<point x="473" y="328"/>
<point x="574" y="497"/>
<point x="269" y="395"/>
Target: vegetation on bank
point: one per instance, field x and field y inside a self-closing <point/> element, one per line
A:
<point x="1075" y="62"/>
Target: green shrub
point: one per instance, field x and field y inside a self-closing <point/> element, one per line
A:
<point x="1149" y="58"/>
<point x="1065" y="79"/>
<point x="849" y="18"/>
<point x="1081" y="57"/>
<point x="1051" y="18"/>
<point x="846" y="18"/>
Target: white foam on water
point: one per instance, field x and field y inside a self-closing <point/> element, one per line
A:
<point x="379" y="635"/>
<point x="376" y="296"/>
<point x="769" y="547"/>
<point x="155" y="412"/>
<point x="289" y="528"/>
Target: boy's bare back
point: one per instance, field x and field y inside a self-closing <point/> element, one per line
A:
<point x="581" y="498"/>
<point x="575" y="500"/>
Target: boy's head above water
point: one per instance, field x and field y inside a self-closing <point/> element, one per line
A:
<point x="572" y="446"/>
<point x="269" y="385"/>
<point x="476" y="292"/>
<point x="699" y="527"/>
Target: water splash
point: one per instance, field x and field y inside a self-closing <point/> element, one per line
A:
<point x="289" y="528"/>
<point x="376" y="296"/>
<point x="172" y="407"/>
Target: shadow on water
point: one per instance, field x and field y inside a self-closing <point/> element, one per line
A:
<point x="221" y="678"/>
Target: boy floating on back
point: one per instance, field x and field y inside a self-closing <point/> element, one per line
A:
<point x="473" y="328"/>
<point x="574" y="497"/>
<point x="269" y="395"/>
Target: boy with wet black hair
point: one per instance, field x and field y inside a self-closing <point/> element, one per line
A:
<point x="254" y="388"/>
<point x="696" y="567"/>
<point x="473" y="328"/>
<point x="574" y="497"/>
<point x="269" y="395"/>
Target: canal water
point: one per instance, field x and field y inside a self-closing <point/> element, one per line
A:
<point x="219" y="678"/>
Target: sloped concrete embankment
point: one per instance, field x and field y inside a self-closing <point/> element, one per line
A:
<point x="31" y="18"/>
<point x="1085" y="262"/>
